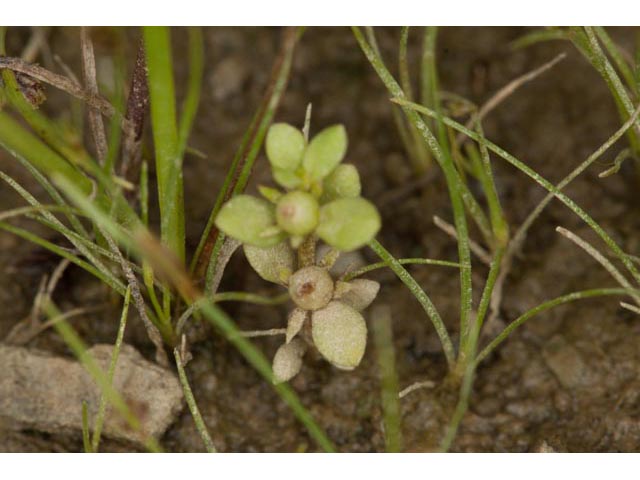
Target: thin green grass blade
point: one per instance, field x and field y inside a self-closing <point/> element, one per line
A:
<point x="78" y="348"/>
<point x="383" y="340"/>
<point x="571" y="297"/>
<point x="102" y="407"/>
<point x="142" y="244"/>
<point x="617" y="251"/>
<point x="401" y="261"/>
<point x="454" y="183"/>
<point x="421" y="296"/>
<point x="165" y="137"/>
<point x="193" y="406"/>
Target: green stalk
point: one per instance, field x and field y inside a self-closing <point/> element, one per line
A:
<point x="383" y="339"/>
<point x="422" y="298"/>
<point x="193" y="406"/>
<point x="571" y="297"/>
<point x="618" y="252"/>
<point x="102" y="408"/>
<point x="165" y="137"/>
<point x="452" y="177"/>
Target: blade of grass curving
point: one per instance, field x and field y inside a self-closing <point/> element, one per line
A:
<point x="205" y="258"/>
<point x="421" y="296"/>
<point x="383" y="340"/>
<point x="454" y="183"/>
<point x="142" y="243"/>
<point x="165" y="137"/>
<point x="618" y="58"/>
<point x="401" y="261"/>
<point x="102" y="408"/>
<point x="30" y="237"/>
<point x="193" y="406"/>
<point x="598" y="257"/>
<point x="538" y="36"/>
<point x="571" y="297"/>
<point x="618" y="252"/>
<point x="19" y="142"/>
<point x="79" y="349"/>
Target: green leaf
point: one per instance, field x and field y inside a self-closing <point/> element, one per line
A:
<point x="284" y="145"/>
<point x="286" y="178"/>
<point x="340" y="334"/>
<point x="297" y="213"/>
<point x="343" y="182"/>
<point x="246" y="218"/>
<point x="271" y="262"/>
<point x="348" y="223"/>
<point x="325" y="152"/>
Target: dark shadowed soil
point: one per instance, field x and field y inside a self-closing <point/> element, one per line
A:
<point x="569" y="380"/>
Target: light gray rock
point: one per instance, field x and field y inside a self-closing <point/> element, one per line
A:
<point x="43" y="392"/>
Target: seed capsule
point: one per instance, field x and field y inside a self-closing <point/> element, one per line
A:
<point x="311" y="288"/>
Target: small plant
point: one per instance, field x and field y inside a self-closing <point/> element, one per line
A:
<point x="321" y="200"/>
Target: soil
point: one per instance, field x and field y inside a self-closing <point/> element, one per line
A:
<point x="568" y="380"/>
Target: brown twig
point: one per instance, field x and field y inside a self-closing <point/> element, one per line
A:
<point x="91" y="84"/>
<point x="61" y="82"/>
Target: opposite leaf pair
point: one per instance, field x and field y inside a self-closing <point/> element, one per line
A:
<point x="322" y="196"/>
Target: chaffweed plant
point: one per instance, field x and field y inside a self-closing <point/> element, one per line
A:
<point x="476" y="161"/>
<point x="92" y="209"/>
<point x="101" y="206"/>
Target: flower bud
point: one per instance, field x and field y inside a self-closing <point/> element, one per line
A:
<point x="270" y="262"/>
<point x="297" y="213"/>
<point x="325" y="151"/>
<point x="311" y="288"/>
<point x="348" y="223"/>
<point x="285" y="146"/>
<point x="343" y="182"/>
<point x="287" y="361"/>
<point x="250" y="220"/>
<point x="340" y="334"/>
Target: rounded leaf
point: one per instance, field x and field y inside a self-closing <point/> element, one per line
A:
<point x="359" y="293"/>
<point x="287" y="361"/>
<point x="270" y="262"/>
<point x="311" y="288"/>
<point x="285" y="146"/>
<point x="340" y="334"/>
<point x="343" y="182"/>
<point x="250" y="220"/>
<point x="325" y="151"/>
<point x="348" y="223"/>
<point x="286" y="178"/>
<point x="297" y="213"/>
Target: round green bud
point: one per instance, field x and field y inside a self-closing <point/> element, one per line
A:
<point x="297" y="213"/>
<point x="340" y="334"/>
<point x="325" y="151"/>
<point x="285" y="146"/>
<point x="311" y="288"/>
<point x="348" y="223"/>
<point x="343" y="182"/>
<point x="250" y="220"/>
